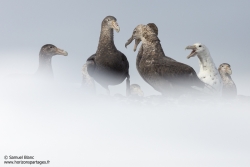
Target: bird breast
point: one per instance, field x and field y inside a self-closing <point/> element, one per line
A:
<point x="211" y="76"/>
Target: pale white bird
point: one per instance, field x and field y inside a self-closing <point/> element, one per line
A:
<point x="208" y="72"/>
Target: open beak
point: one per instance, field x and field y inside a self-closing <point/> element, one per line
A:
<point x="61" y="52"/>
<point x="115" y="26"/>
<point x="193" y="53"/>
<point x="129" y="41"/>
<point x="137" y="41"/>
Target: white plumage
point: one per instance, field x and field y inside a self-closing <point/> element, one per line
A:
<point x="208" y="72"/>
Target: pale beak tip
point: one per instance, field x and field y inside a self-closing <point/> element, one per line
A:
<point x="117" y="30"/>
<point x="126" y="45"/>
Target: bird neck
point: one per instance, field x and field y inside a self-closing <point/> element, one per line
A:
<point x="206" y="60"/>
<point x="45" y="68"/>
<point x="106" y="40"/>
<point x="226" y="77"/>
<point x="139" y="56"/>
<point x="152" y="49"/>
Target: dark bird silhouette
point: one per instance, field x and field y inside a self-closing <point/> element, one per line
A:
<point x="108" y="66"/>
<point x="163" y="73"/>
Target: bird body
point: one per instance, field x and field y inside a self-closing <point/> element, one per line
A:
<point x="154" y="28"/>
<point x="108" y="66"/>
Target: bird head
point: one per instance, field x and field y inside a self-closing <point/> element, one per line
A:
<point x="143" y="33"/>
<point x="225" y="69"/>
<point x="153" y="27"/>
<point x="111" y="22"/>
<point x="52" y="50"/>
<point x="196" y="49"/>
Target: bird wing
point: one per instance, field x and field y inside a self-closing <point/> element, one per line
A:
<point x="177" y="73"/>
<point x="124" y="60"/>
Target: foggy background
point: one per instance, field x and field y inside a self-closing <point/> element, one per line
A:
<point x="74" y="26"/>
<point x="67" y="129"/>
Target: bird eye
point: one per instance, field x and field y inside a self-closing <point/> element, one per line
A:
<point x="107" y="19"/>
<point x="200" y="46"/>
<point x="51" y="47"/>
<point x="134" y="31"/>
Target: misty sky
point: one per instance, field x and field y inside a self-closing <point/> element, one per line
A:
<point x="223" y="26"/>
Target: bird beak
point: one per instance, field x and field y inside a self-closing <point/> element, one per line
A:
<point x="229" y="71"/>
<point x="61" y="52"/>
<point x="137" y="41"/>
<point x="115" y="26"/>
<point x="129" y="41"/>
<point x="193" y="53"/>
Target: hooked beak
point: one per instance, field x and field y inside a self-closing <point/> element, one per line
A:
<point x="61" y="52"/>
<point x="115" y="26"/>
<point x="229" y="71"/>
<point x="193" y="53"/>
<point x="129" y="41"/>
<point x="137" y="41"/>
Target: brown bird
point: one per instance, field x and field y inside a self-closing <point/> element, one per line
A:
<point x="163" y="73"/>
<point x="108" y="66"/>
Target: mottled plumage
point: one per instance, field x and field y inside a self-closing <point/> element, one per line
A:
<point x="163" y="73"/>
<point x="229" y="89"/>
<point x="154" y="28"/>
<point x="108" y="66"/>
